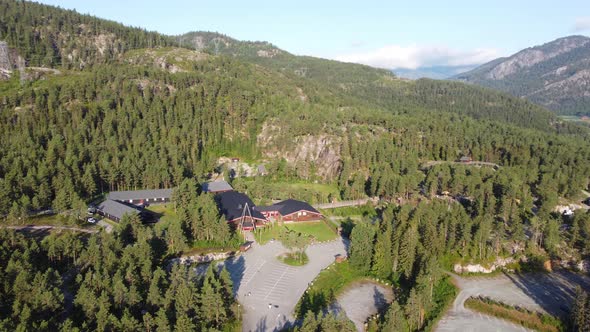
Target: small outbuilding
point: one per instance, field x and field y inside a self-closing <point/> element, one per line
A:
<point x="216" y="187"/>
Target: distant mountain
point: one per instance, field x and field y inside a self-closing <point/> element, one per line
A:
<point x="555" y="75"/>
<point x="435" y="72"/>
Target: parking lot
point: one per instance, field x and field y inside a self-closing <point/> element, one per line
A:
<point x="362" y="300"/>
<point x="268" y="290"/>
<point x="544" y="292"/>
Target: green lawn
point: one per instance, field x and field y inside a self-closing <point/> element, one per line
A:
<point x="318" y="229"/>
<point x="293" y="259"/>
<point x="166" y="212"/>
<point x="262" y="190"/>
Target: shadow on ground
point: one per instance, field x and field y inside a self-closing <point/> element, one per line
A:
<point x="237" y="266"/>
<point x="553" y="292"/>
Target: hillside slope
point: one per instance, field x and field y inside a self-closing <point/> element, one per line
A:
<point x="555" y="75"/>
<point x="377" y="87"/>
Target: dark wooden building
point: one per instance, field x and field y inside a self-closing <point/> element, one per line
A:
<point x="291" y="211"/>
<point x="142" y="197"/>
<point x="239" y="210"/>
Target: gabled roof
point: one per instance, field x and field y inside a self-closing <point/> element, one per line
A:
<point x="289" y="206"/>
<point x="216" y="186"/>
<point x="116" y="209"/>
<point x="140" y="194"/>
<point x="231" y="205"/>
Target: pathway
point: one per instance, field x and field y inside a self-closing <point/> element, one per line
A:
<point x="356" y="202"/>
<point x="49" y="227"/>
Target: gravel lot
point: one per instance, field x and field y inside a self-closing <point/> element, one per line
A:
<point x="268" y="290"/>
<point x="362" y="300"/>
<point x="545" y="292"/>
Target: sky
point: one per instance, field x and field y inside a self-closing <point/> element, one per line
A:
<point x="388" y="34"/>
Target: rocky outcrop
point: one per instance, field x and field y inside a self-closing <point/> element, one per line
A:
<point x="479" y="268"/>
<point x="322" y="149"/>
<point x="583" y="266"/>
<point x="198" y="259"/>
<point x="5" y="63"/>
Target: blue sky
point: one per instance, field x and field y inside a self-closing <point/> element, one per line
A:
<point x="379" y="33"/>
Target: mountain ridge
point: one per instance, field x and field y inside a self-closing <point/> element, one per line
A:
<point x="555" y="75"/>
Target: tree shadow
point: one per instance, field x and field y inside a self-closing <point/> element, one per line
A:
<point x="261" y="325"/>
<point x="379" y="299"/>
<point x="283" y="324"/>
<point x="236" y="266"/>
<point x="347" y="226"/>
<point x="346" y="243"/>
<point x="553" y="292"/>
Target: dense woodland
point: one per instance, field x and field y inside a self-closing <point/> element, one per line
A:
<point x="106" y="282"/>
<point x="104" y="123"/>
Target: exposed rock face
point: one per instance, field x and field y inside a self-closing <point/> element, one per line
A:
<point x="323" y="150"/>
<point x="198" y="259"/>
<point x="583" y="266"/>
<point x="172" y="60"/>
<point x="478" y="268"/>
<point x="555" y="75"/>
<point x="268" y="53"/>
<point x="4" y="57"/>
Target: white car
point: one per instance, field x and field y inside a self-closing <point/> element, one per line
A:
<point x="92" y="220"/>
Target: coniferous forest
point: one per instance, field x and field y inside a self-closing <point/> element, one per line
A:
<point x="123" y="109"/>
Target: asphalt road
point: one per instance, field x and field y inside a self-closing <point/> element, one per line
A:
<point x="544" y="292"/>
<point x="268" y="290"/>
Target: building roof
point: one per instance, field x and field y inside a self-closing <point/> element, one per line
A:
<point x="231" y="205"/>
<point x="288" y="206"/>
<point x="216" y="186"/>
<point x="140" y="194"/>
<point x="116" y="209"/>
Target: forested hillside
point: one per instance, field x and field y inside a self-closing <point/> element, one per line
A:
<point x="378" y="86"/>
<point x="144" y="111"/>
<point x="54" y="37"/>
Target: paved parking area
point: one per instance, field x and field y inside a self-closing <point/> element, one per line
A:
<point x="544" y="292"/>
<point x="362" y="300"/>
<point x="268" y="290"/>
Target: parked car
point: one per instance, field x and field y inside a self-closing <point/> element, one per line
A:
<point x="91" y="210"/>
<point x="246" y="246"/>
<point x="92" y="220"/>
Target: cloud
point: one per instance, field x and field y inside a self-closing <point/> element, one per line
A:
<point x="414" y="56"/>
<point x="581" y="24"/>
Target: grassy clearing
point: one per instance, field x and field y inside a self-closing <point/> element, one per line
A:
<point x="319" y="230"/>
<point x="529" y="319"/>
<point x="294" y="259"/>
<point x="367" y="210"/>
<point x="263" y="190"/>
<point x="165" y="212"/>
